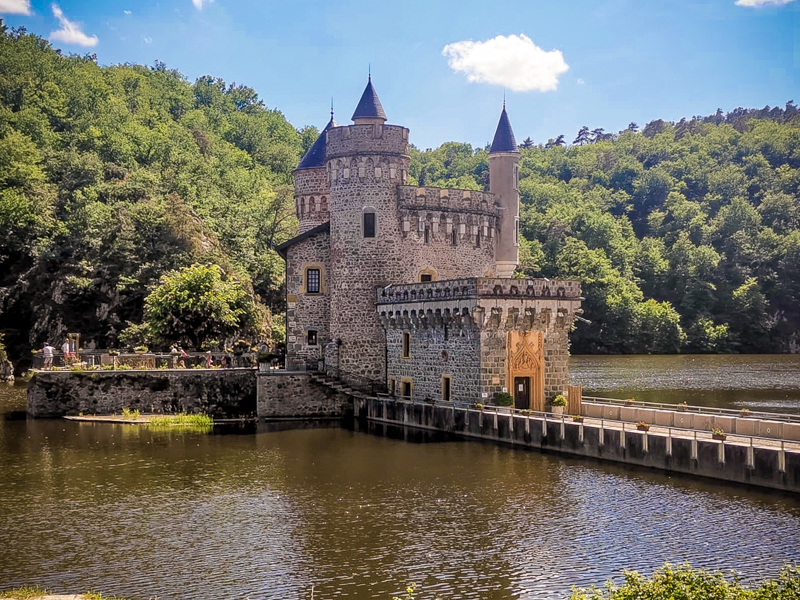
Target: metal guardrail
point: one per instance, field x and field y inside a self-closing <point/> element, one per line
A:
<point x="726" y="412"/>
<point x="508" y="410"/>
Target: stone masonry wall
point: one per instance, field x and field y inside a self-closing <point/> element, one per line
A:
<point x="311" y="198"/>
<point x="432" y="356"/>
<point x="221" y="393"/>
<point x="306" y="311"/>
<point x="296" y="396"/>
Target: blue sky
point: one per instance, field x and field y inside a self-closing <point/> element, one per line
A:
<point x="561" y="63"/>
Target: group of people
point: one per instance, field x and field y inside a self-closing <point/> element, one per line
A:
<point x="182" y="355"/>
<point x="48" y="352"/>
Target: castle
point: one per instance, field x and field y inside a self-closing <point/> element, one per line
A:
<point x="411" y="287"/>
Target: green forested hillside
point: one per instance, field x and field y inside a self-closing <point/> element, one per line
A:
<point x="110" y="176"/>
<point x="686" y="236"/>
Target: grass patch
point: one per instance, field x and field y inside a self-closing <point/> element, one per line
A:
<point x="195" y="421"/>
<point x="130" y="414"/>
<point x="24" y="592"/>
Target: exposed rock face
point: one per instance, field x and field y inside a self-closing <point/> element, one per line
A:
<point x="6" y="370"/>
<point x="219" y="393"/>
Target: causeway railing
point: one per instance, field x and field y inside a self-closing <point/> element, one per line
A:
<point x="726" y="412"/>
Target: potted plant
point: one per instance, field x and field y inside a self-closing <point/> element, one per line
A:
<point x="525" y="412"/>
<point x="141" y="349"/>
<point x="557" y="404"/>
<point x="577" y="418"/>
<point x="629" y="401"/>
<point x="642" y="426"/>
<point x="745" y="413"/>
<point x="113" y="352"/>
<point x="718" y="433"/>
<point x="503" y="399"/>
<point x="681" y="407"/>
<point x="479" y="406"/>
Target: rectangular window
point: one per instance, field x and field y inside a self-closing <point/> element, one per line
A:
<point x="427" y="236"/>
<point x="454" y="237"/>
<point x="478" y="240"/>
<point x="405" y="389"/>
<point x="516" y="231"/>
<point x="369" y="224"/>
<point x="426" y="277"/>
<point x="446" y="333"/>
<point x="312" y="338"/>
<point x="312" y="281"/>
<point x="446" y="388"/>
<point x="516" y="177"/>
<point x="406" y="345"/>
<point x="392" y="386"/>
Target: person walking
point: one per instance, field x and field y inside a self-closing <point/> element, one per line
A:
<point x="209" y="360"/>
<point x="47" y="352"/>
<point x="65" y="350"/>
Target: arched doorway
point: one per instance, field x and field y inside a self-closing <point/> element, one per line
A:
<point x="525" y="366"/>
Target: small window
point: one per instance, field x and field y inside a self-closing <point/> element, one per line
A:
<point x="446" y="333"/>
<point x="312" y="338"/>
<point x="478" y="240"/>
<point x="516" y="177"/>
<point x="406" y="388"/>
<point x="516" y="231"/>
<point x="427" y="235"/>
<point x="454" y="237"/>
<point x="426" y="277"/>
<point x="369" y="224"/>
<point x="392" y="386"/>
<point x="406" y="345"/>
<point x="312" y="281"/>
<point x="446" y="384"/>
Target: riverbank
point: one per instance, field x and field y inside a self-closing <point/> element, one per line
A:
<point x="38" y="593"/>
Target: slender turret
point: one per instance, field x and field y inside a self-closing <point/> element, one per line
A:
<point x="504" y="184"/>
<point x="311" y="186"/>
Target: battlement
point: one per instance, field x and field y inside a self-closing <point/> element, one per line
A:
<point x="353" y="140"/>
<point x="447" y="200"/>
<point x="477" y="287"/>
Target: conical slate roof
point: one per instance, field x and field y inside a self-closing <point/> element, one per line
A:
<point x="369" y="107"/>
<point x="315" y="157"/>
<point x="504" y="136"/>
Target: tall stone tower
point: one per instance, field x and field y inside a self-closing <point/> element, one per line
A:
<point x="504" y="183"/>
<point x="365" y="163"/>
<point x="311" y="189"/>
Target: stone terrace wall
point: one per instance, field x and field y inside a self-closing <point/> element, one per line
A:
<point x="295" y="396"/>
<point x="221" y="393"/>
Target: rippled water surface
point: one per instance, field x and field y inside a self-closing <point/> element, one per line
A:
<point x="269" y="514"/>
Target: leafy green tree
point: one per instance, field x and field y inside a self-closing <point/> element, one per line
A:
<point x="198" y="303"/>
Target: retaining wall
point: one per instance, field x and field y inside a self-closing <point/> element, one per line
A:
<point x="293" y="395"/>
<point x="221" y="393"/>
<point x="767" y="467"/>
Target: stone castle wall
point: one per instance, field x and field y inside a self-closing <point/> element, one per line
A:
<point x="295" y="396"/>
<point x="311" y="198"/>
<point x="307" y="311"/>
<point x="434" y="354"/>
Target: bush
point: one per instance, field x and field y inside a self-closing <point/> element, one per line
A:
<point x="559" y="400"/>
<point x="684" y="583"/>
<point x="504" y="399"/>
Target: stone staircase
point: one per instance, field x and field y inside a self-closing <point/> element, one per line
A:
<point x="338" y="385"/>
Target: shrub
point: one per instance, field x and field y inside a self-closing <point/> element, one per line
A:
<point x="504" y="399"/>
<point x="559" y="400"/>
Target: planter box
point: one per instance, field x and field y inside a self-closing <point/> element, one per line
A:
<point x="557" y="410"/>
<point x="718" y="436"/>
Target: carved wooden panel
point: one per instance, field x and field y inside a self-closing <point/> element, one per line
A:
<point x="526" y="359"/>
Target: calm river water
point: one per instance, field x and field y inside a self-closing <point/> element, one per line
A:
<point x="131" y="512"/>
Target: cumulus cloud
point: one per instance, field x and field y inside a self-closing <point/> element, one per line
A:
<point x="127" y="13"/>
<point x="70" y="32"/>
<point x="199" y="4"/>
<point x="15" y="7"/>
<point x="514" y="62"/>
<point x="759" y="3"/>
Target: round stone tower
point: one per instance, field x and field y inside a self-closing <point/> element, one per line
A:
<point x="365" y="163"/>
<point x="504" y="184"/>
<point x="311" y="189"/>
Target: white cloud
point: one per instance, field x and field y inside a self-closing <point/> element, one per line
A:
<point x="70" y="32"/>
<point x="15" y="7"/>
<point x="199" y="4"/>
<point x="759" y="3"/>
<point x="127" y="13"/>
<point x="514" y="62"/>
<point x="580" y="81"/>
<point x="148" y="40"/>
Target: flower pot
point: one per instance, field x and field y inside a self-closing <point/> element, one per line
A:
<point x="140" y="351"/>
<point x="718" y="436"/>
<point x="643" y="427"/>
<point x="557" y="410"/>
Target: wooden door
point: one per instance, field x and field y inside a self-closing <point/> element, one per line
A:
<point x="525" y="359"/>
<point x="522" y="392"/>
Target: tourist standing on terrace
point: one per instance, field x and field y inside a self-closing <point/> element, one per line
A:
<point x="47" y="351"/>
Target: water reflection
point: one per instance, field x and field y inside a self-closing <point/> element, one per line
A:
<point x="274" y="509"/>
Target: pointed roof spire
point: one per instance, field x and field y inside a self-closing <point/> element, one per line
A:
<point x="315" y="156"/>
<point x="504" y="136"/>
<point x="369" y="107"/>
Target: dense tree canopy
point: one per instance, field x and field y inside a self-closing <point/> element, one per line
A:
<point x="111" y="176"/>
<point x="686" y="236"/>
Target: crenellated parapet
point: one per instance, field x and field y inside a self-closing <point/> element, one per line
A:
<point x="487" y="304"/>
